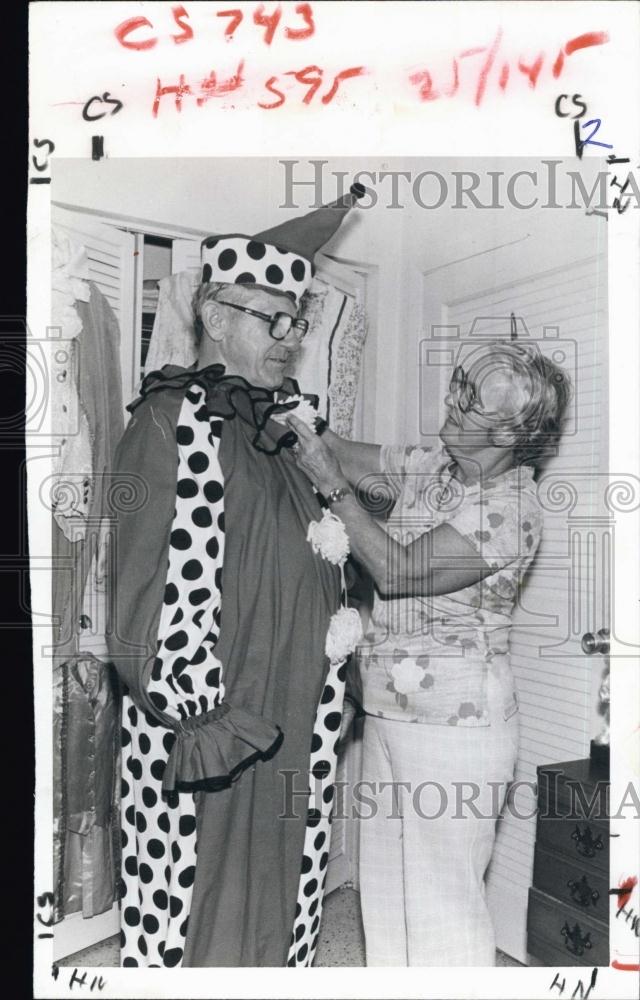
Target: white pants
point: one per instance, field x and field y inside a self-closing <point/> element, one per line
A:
<point x="423" y="857"/>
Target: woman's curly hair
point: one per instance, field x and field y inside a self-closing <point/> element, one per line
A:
<point x="541" y="423"/>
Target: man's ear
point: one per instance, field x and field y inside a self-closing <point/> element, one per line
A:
<point x="212" y="320"/>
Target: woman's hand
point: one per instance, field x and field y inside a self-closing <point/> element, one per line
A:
<point x="440" y="561"/>
<point x="315" y="459"/>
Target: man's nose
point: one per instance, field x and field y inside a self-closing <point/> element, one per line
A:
<point x="293" y="339"/>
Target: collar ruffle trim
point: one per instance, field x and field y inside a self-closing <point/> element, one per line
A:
<point x="230" y="396"/>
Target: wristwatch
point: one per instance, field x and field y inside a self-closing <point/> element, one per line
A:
<point x="335" y="496"/>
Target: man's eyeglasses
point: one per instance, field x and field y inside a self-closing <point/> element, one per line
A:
<point x="280" y="323"/>
<point x="462" y="389"/>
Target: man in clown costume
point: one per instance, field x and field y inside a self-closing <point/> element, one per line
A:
<point x="221" y="617"/>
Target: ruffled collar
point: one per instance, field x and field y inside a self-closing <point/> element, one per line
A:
<point x="231" y="396"/>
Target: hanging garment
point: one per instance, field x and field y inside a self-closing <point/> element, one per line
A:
<point x="220" y="623"/>
<point x="85" y="787"/>
<point x="346" y="368"/>
<point x="88" y="384"/>
<point x="87" y="412"/>
<point x="329" y="362"/>
<point x="173" y="339"/>
<point x="72" y="464"/>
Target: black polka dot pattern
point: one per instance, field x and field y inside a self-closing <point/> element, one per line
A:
<point x="256" y="250"/>
<point x="198" y="461"/>
<point x="159" y="828"/>
<point x="227" y="259"/>
<point x="149" y="829"/>
<point x="184" y="435"/>
<point x="298" y="270"/>
<point x="322" y="773"/>
<point x="180" y="539"/>
<point x="241" y="260"/>
<point x="196" y="555"/>
<point x="192" y="569"/>
<point x="274" y="274"/>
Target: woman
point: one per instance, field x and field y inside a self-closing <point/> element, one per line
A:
<point x="464" y="528"/>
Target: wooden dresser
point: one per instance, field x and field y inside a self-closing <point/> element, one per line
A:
<point x="568" y="915"/>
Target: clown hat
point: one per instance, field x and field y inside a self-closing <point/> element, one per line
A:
<point x="280" y="258"/>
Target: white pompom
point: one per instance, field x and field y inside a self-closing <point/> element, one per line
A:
<point x="345" y="632"/>
<point x="304" y="411"/>
<point x="329" y="538"/>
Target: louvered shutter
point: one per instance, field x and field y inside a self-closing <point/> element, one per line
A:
<point x="111" y="259"/>
<point x="566" y="591"/>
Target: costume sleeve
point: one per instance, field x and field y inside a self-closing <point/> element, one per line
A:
<point x="141" y="504"/>
<point x="505" y="526"/>
<point x="169" y="596"/>
<point x="170" y="552"/>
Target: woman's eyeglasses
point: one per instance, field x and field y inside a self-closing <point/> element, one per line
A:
<point x="462" y="389"/>
<point x="280" y="323"/>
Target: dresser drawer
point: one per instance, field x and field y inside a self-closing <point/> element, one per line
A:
<point x="581" y="939"/>
<point x="572" y="882"/>
<point x="543" y="953"/>
<point x="579" y="840"/>
<point x="577" y="789"/>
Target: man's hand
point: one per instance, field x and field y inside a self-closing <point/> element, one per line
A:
<point x="315" y="459"/>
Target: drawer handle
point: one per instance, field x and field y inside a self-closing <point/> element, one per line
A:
<point x="585" y="842"/>
<point x="582" y="893"/>
<point x="574" y="941"/>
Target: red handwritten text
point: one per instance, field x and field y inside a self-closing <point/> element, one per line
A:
<point x="312" y="78"/>
<point x="139" y="34"/>
<point x="529" y="67"/>
<point x="626" y="887"/>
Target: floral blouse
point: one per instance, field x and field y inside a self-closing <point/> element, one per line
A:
<point x="427" y="659"/>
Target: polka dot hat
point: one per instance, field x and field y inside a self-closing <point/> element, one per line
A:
<point x="280" y="258"/>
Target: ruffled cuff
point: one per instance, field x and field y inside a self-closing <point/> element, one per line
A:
<point x="212" y="750"/>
